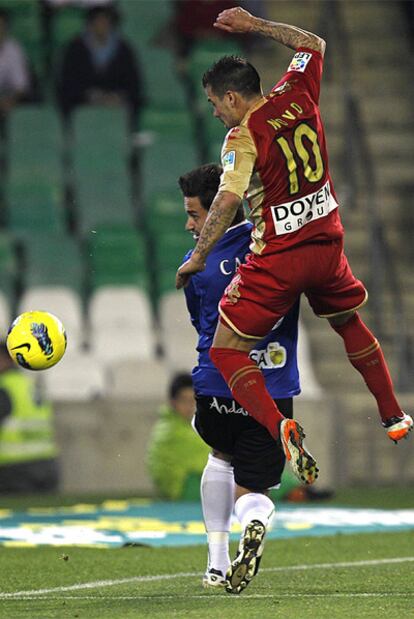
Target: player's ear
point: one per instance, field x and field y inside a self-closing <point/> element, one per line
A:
<point x="232" y="97"/>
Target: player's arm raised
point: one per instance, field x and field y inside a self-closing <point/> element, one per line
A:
<point x="220" y="216"/>
<point x="237" y="20"/>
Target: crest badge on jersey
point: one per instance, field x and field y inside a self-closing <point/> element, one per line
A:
<point x="229" y="159"/>
<point x="299" y="62"/>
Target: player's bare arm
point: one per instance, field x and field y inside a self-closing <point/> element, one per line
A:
<point x="221" y="214"/>
<point x="237" y="20"/>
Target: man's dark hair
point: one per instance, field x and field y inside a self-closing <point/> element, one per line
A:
<point x="232" y="73"/>
<point x="201" y="183"/>
<point x="179" y="381"/>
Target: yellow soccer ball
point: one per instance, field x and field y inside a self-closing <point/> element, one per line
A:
<point x="36" y="340"/>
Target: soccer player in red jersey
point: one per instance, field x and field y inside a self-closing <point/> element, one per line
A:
<point x="275" y="156"/>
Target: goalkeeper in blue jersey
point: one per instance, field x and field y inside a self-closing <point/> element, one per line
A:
<point x="243" y="463"/>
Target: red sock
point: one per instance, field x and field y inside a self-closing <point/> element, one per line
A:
<point x="365" y="354"/>
<point x="247" y="385"/>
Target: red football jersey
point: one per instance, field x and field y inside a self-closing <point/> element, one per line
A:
<point x="277" y="159"/>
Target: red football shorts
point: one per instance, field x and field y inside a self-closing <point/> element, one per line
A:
<point x="265" y="287"/>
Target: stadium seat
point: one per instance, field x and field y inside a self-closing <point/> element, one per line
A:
<point x="5" y="315"/>
<point x="67" y="23"/>
<point x="64" y="303"/>
<point x="167" y="122"/>
<point x="53" y="260"/>
<point x="143" y="23"/>
<point x="100" y="157"/>
<point x="35" y="144"/>
<point x="79" y="376"/>
<point x="35" y="206"/>
<point x="164" y="89"/>
<point x="9" y="270"/>
<point x="166" y="214"/>
<point x="117" y="256"/>
<point x="179" y="337"/>
<point x="204" y="55"/>
<point x="168" y="157"/>
<point x="34" y="180"/>
<point x="138" y="380"/>
<point x="121" y="324"/>
<point x="170" y="248"/>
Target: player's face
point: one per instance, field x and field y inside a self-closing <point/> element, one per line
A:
<point x="224" y="109"/>
<point x="196" y="216"/>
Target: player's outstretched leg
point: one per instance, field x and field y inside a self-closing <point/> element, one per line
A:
<point x="398" y="427"/>
<point x="301" y="461"/>
<point x="246" y="564"/>
<point x="365" y="354"/>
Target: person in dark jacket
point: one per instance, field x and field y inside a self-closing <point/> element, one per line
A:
<point x="99" y="67"/>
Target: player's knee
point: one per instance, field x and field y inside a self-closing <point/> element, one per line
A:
<point x="342" y="319"/>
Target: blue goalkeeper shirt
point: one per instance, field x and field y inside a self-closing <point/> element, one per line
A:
<point x="275" y="354"/>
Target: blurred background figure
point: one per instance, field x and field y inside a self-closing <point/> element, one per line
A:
<point x="99" y="67"/>
<point x="176" y="454"/>
<point x="14" y="72"/>
<point x="28" y="453"/>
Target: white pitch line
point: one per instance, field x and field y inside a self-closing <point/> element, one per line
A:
<point x="213" y="594"/>
<point x="99" y="584"/>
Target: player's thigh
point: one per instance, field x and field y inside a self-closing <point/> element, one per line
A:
<point x="262" y="291"/>
<point x="258" y="460"/>
<point x="217" y="421"/>
<point x="337" y="291"/>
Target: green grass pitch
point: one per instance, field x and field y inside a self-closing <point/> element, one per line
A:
<point x="166" y="582"/>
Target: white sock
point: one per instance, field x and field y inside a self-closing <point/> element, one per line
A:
<point x="217" y="499"/>
<point x="254" y="506"/>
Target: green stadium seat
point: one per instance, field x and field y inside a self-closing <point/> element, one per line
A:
<point x="167" y="158"/>
<point x="117" y="256"/>
<point x="166" y="212"/>
<point x="100" y="155"/>
<point x="142" y="20"/>
<point x="163" y="88"/>
<point x="8" y="267"/>
<point x="171" y="122"/>
<point x="169" y="251"/>
<point x="35" y="207"/>
<point x="68" y="22"/>
<point x="35" y="144"/>
<point x="53" y="260"/>
<point x="142" y="23"/>
<point x="203" y="56"/>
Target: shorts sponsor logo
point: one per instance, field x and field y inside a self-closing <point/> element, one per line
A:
<point x="292" y="216"/>
<point x="274" y="356"/>
<point x="229" y="160"/>
<point x="223" y="409"/>
<point x="299" y="62"/>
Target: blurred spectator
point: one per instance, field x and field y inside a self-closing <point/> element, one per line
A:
<point x="176" y="454"/>
<point x="28" y="452"/>
<point x="99" y="67"/>
<point x="14" y="72"/>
